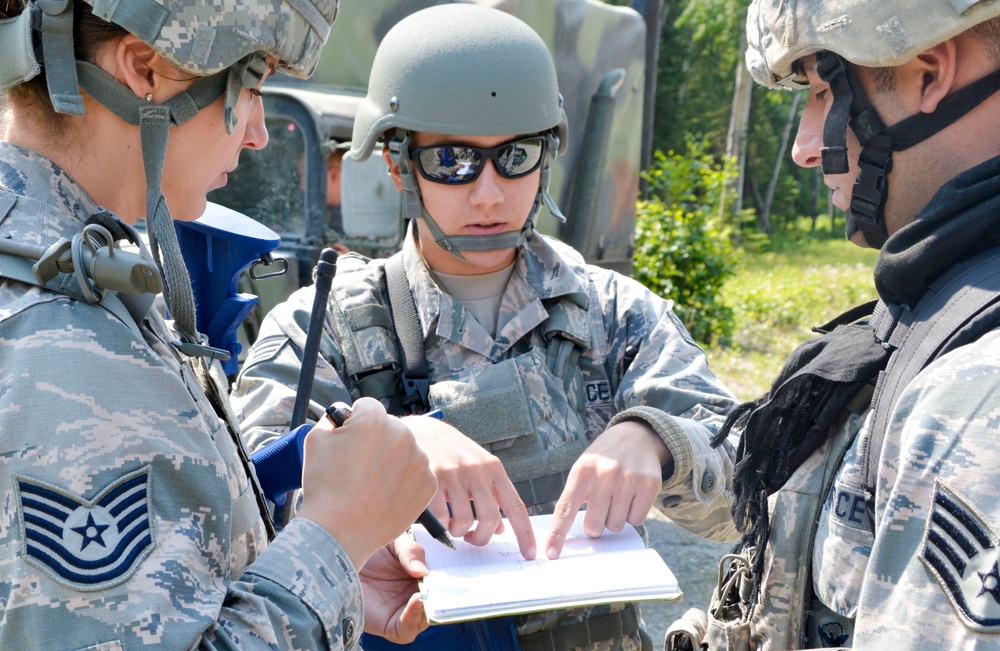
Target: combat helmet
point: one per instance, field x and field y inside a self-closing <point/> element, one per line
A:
<point x="463" y="70"/>
<point x="223" y="42"/>
<point x="869" y="34"/>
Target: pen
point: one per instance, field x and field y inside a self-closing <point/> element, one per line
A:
<point x="339" y="415"/>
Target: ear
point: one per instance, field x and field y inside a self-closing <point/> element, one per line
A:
<point x="934" y="74"/>
<point x="140" y="68"/>
<point x="397" y="179"/>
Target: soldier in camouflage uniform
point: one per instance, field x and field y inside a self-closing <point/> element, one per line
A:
<point x="560" y="383"/>
<point x="873" y="523"/>
<point x="131" y="515"/>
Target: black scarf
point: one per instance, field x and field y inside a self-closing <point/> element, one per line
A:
<point x="781" y="428"/>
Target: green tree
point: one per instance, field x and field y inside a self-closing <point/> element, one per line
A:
<point x="683" y="249"/>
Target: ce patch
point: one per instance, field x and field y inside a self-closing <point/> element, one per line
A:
<point x="86" y="544"/>
<point x="961" y="551"/>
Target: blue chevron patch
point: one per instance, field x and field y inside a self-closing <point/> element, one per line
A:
<point x="963" y="553"/>
<point x="86" y="544"/>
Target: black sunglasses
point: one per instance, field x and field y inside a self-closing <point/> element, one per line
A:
<point x="458" y="164"/>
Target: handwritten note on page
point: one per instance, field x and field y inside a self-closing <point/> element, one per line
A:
<point x="473" y="582"/>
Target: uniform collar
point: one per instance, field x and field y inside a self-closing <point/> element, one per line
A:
<point x="32" y="176"/>
<point x="544" y="271"/>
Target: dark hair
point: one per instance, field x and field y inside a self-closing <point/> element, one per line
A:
<point x="89" y="35"/>
<point x="988" y="33"/>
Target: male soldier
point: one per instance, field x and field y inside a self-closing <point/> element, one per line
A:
<point x="560" y="383"/>
<point x="902" y="116"/>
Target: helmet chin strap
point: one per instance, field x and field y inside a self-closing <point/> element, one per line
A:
<point x="154" y="122"/>
<point x="413" y="205"/>
<point x="851" y="106"/>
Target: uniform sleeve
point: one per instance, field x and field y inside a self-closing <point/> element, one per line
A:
<point x="263" y="396"/>
<point x="933" y="579"/>
<point x="305" y="581"/>
<point x="119" y="519"/>
<point x="665" y="381"/>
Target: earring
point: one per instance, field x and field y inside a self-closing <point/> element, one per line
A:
<point x="149" y="97"/>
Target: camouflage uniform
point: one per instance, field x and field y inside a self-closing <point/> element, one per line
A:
<point x="930" y="580"/>
<point x="128" y="515"/>
<point x="667" y="384"/>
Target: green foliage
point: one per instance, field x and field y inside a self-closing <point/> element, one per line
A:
<point x="701" y="48"/>
<point x="783" y="287"/>
<point x="683" y="249"/>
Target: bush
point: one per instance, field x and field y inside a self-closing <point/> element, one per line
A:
<point x="683" y="248"/>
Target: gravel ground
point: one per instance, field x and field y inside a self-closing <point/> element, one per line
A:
<point x="695" y="563"/>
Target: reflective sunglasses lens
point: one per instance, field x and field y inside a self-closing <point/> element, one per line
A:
<point x="519" y="158"/>
<point x="450" y="164"/>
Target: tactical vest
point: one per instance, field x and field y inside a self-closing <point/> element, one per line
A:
<point x="957" y="309"/>
<point x="513" y="408"/>
<point x="250" y="522"/>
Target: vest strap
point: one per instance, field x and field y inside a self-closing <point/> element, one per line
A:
<point x="585" y="633"/>
<point x="542" y="489"/>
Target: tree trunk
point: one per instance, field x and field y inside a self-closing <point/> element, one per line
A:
<point x="736" y="139"/>
<point x="765" y="218"/>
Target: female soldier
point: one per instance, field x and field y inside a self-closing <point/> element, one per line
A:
<point x="560" y="383"/>
<point x="130" y="514"/>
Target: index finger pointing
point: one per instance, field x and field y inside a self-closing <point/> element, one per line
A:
<point x="517" y="515"/>
<point x="563" y="517"/>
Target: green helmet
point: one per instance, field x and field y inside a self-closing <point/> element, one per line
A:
<point x="463" y="70"/>
<point x="871" y="34"/>
<point x="867" y="34"/>
<point x="223" y="42"/>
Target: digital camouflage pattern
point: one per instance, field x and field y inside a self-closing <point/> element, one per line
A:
<point x="872" y="34"/>
<point x="668" y="376"/>
<point x="933" y="581"/>
<point x="206" y="37"/>
<point x="928" y="578"/>
<point x="127" y="515"/>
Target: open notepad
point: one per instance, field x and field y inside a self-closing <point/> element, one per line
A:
<point x="475" y="582"/>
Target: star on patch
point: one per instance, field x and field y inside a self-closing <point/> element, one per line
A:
<point x="91" y="526"/>
<point x="962" y="552"/>
<point x="86" y="544"/>
<point x="991" y="583"/>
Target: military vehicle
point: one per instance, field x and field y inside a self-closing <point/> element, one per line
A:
<point x="601" y="52"/>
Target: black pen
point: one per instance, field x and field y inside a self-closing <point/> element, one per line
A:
<point x="339" y="415"/>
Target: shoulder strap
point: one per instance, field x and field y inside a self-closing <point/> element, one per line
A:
<point x="958" y="309"/>
<point x="416" y="372"/>
<point x="129" y="309"/>
<point x="360" y="318"/>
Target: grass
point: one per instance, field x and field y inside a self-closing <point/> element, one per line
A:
<point x="780" y="291"/>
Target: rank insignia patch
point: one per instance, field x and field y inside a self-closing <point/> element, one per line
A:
<point x="962" y="552"/>
<point x="86" y="544"/>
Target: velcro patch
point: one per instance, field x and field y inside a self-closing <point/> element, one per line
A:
<point x="961" y="551"/>
<point x="598" y="393"/>
<point x="86" y="544"/>
<point x="265" y="349"/>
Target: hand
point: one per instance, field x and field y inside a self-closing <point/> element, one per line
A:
<point x="618" y="477"/>
<point x="366" y="481"/>
<point x="392" y="599"/>
<point x="465" y="471"/>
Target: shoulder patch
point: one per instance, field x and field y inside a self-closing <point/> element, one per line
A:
<point x="264" y="349"/>
<point x="961" y="551"/>
<point x="86" y="544"/>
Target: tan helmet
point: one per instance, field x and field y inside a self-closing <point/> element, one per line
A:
<point x="868" y="34"/>
<point x="863" y="32"/>
<point x="224" y="42"/>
